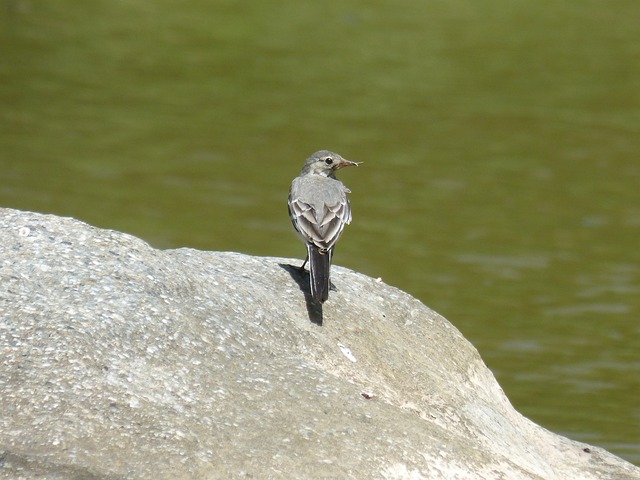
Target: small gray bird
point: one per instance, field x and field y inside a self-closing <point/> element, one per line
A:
<point x="319" y="210"/>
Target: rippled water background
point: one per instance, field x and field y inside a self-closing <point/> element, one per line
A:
<point x="501" y="143"/>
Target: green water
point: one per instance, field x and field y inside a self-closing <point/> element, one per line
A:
<point x="500" y="140"/>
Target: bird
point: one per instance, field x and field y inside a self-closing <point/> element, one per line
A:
<point x="319" y="210"/>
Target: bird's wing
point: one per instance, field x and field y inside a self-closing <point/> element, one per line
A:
<point x="321" y="218"/>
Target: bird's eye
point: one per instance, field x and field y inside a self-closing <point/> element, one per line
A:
<point x="328" y="160"/>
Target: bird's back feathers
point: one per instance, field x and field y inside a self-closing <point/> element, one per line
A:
<point x="319" y="209"/>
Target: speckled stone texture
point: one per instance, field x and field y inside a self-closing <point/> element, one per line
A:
<point x="121" y="361"/>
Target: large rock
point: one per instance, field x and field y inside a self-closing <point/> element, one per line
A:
<point x="122" y="361"/>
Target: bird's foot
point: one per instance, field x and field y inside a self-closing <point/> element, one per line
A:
<point x="301" y="267"/>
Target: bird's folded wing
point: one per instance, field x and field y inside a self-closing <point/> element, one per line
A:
<point x="323" y="224"/>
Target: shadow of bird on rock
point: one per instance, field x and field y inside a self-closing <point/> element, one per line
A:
<point x="301" y="277"/>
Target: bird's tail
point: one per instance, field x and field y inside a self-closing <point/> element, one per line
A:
<point x="319" y="267"/>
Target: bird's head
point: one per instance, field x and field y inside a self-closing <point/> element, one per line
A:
<point x="326" y="163"/>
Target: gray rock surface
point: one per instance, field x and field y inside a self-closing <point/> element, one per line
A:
<point x="121" y="361"/>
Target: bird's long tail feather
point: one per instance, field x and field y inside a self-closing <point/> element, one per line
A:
<point x="319" y="267"/>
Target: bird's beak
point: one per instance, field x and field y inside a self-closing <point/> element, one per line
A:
<point x="346" y="163"/>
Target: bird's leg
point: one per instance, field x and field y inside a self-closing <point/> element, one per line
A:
<point x="332" y="287"/>
<point x="305" y="262"/>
